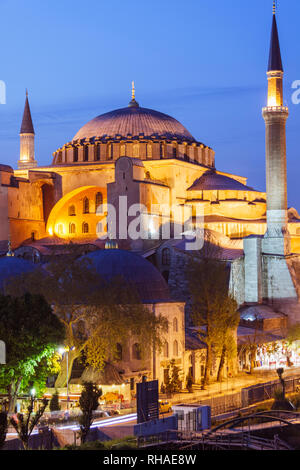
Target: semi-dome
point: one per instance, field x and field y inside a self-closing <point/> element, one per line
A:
<point x="12" y="266"/>
<point x="136" y="270"/>
<point x="211" y="180"/>
<point x="134" y="120"/>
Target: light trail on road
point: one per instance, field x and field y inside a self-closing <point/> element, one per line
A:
<point x="96" y="424"/>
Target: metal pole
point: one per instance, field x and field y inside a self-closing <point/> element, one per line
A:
<point x="67" y="380"/>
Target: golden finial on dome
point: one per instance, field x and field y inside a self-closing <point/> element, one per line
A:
<point x="274" y="7"/>
<point x="133" y="103"/>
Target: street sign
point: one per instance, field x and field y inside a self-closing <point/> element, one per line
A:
<point x="2" y="353"/>
<point x="147" y="401"/>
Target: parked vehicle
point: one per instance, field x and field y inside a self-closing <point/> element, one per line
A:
<point x="164" y="406"/>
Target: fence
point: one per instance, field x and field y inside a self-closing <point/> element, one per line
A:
<point x="249" y="396"/>
<point x="257" y="393"/>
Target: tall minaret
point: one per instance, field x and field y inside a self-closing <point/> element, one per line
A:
<point x="276" y="239"/>
<point x="27" y="139"/>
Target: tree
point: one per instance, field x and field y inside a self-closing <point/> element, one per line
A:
<point x="173" y="381"/>
<point x="97" y="314"/>
<point x="3" y="428"/>
<point x="189" y="383"/>
<point x="32" y="333"/>
<point x="213" y="309"/>
<point x="252" y="343"/>
<point x="88" y="402"/>
<point x="54" y="402"/>
<point x="25" y="423"/>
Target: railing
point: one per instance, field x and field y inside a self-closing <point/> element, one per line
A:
<point x="275" y="109"/>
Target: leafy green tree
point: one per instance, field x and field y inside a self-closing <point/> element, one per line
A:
<point x="25" y="423"/>
<point x="32" y="333"/>
<point x="3" y="428"/>
<point x="96" y="314"/>
<point x="54" y="402"/>
<point x="213" y="310"/>
<point x="88" y="402"/>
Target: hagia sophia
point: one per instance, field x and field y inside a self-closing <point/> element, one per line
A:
<point x="153" y="159"/>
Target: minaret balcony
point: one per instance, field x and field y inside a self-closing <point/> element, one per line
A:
<point x="275" y="109"/>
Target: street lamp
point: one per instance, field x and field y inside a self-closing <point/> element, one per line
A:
<point x="62" y="351"/>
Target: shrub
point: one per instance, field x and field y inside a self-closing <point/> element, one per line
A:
<point x="54" y="403"/>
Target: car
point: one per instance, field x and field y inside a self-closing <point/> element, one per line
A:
<point x="113" y="412"/>
<point x="164" y="406"/>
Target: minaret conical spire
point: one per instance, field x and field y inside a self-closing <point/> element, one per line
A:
<point x="275" y="63"/>
<point x="27" y="125"/>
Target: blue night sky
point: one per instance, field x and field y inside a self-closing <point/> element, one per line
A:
<point x="201" y="61"/>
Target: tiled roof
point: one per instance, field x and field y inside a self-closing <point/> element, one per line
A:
<point x="259" y="312"/>
<point x="134" y="121"/>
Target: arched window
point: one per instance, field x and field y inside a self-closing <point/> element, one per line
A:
<point x="85" y="227"/>
<point x="135" y="150"/>
<point x="166" y="349"/>
<point x="72" y="210"/>
<point x="75" y="154"/>
<point x="119" y="352"/>
<point x="175" y="348"/>
<point x="60" y="229"/>
<point x="174" y="151"/>
<point x="166" y="257"/>
<point x="161" y="150"/>
<point x="72" y="228"/>
<point x="136" y="351"/>
<point x="86" y="206"/>
<point x="98" y="203"/>
<point x="149" y="150"/>
<point x="97" y="152"/>
<point x="110" y="152"/>
<point x="122" y="150"/>
<point x="175" y="325"/>
<point x="86" y="153"/>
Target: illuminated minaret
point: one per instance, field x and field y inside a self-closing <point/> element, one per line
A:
<point x="27" y="139"/>
<point x="276" y="239"/>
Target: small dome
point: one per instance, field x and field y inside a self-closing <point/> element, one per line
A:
<point x="211" y="180"/>
<point x="12" y="266"/>
<point x="134" y="120"/>
<point x="150" y="284"/>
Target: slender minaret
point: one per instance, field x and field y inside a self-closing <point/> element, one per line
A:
<point x="27" y="139"/>
<point x="276" y="239"/>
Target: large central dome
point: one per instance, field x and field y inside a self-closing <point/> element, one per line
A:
<point x="134" y="120"/>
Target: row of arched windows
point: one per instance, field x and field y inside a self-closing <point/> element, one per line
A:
<point x="175" y="349"/>
<point x="135" y="352"/>
<point x="84" y="228"/>
<point x="175" y="325"/>
<point x="86" y="205"/>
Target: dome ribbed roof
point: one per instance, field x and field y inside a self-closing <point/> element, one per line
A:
<point x="134" y="120"/>
<point x="211" y="180"/>
<point x="136" y="270"/>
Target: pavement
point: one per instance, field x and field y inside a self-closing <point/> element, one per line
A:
<point x="232" y="385"/>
